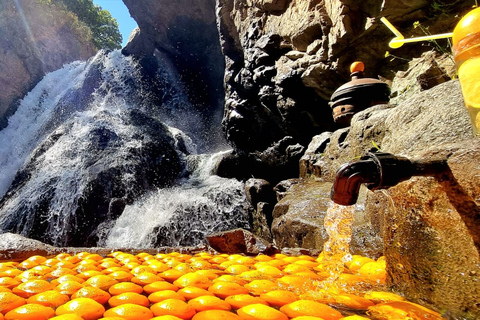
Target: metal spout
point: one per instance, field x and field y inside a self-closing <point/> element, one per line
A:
<point x="378" y="171"/>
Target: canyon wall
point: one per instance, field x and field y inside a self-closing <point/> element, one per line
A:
<point x="36" y="39"/>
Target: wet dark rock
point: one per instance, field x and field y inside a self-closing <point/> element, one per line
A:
<point x="299" y="215"/>
<point x="276" y="163"/>
<point x="185" y="32"/>
<point x="109" y="175"/>
<point x="240" y="241"/>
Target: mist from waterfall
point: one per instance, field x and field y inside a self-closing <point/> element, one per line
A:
<point x="52" y="129"/>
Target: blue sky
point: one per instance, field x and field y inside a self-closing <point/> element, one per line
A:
<point x="119" y="11"/>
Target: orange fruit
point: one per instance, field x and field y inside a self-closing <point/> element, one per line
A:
<point x="31" y="311"/>
<point x="355" y="317"/>
<point x="123" y="287"/>
<point x="402" y="310"/>
<point x="225" y="289"/>
<point x="357" y="262"/>
<point x="145" y="278"/>
<point x="237" y="269"/>
<point x="164" y="295"/>
<point x="129" y="297"/>
<point x="58" y="272"/>
<point x="171" y="275"/>
<point x="230" y="278"/>
<point x="121" y="275"/>
<point x="310" y="308"/>
<point x="93" y="256"/>
<point x="209" y="303"/>
<point x="101" y="281"/>
<point x="67" y="317"/>
<point x="193" y="279"/>
<point x="67" y="277"/>
<point x="270" y="271"/>
<point x="159" y="286"/>
<point x="32" y="287"/>
<point x="257" y="287"/>
<point x="10" y="301"/>
<point x="86" y="308"/>
<point x="241" y="300"/>
<point x="88" y="274"/>
<point x="352" y="301"/>
<point x="96" y="294"/>
<point x="130" y="311"/>
<point x="382" y="297"/>
<point x="279" y="298"/>
<point x="8" y="282"/>
<point x="212" y="315"/>
<point x="69" y="287"/>
<point x="374" y="271"/>
<point x="260" y="312"/>
<point x="174" y="307"/>
<point x="193" y="292"/>
<point x="49" y="298"/>
<point x="141" y="269"/>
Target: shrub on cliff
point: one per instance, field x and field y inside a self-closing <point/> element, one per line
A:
<point x="103" y="28"/>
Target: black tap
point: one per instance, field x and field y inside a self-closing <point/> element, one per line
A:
<point x="378" y="170"/>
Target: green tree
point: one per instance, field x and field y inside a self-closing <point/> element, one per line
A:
<point x="104" y="28"/>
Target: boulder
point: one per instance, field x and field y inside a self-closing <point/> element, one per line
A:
<point x="299" y="215"/>
<point x="240" y="241"/>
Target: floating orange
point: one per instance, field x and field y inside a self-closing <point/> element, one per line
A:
<point x="129" y="311"/>
<point x="69" y="287"/>
<point x="402" y="310"/>
<point x="260" y="312"/>
<point x="257" y="287"/>
<point x="279" y="298"/>
<point x="173" y="307"/>
<point x="32" y="287"/>
<point x="129" y="297"/>
<point x="209" y="303"/>
<point x="101" y="281"/>
<point x="212" y="315"/>
<point x="193" y="279"/>
<point x="49" y="298"/>
<point x="10" y="301"/>
<point x="310" y="308"/>
<point x="145" y="278"/>
<point x="352" y="301"/>
<point x="86" y="308"/>
<point x="158" y="296"/>
<point x="123" y="287"/>
<point x="193" y="292"/>
<point x="159" y="286"/>
<point x="225" y="289"/>
<point x="241" y="300"/>
<point x="67" y="317"/>
<point x="96" y="294"/>
<point x="31" y="311"/>
<point x="382" y="297"/>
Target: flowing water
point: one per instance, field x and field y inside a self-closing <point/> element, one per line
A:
<point x="182" y="215"/>
<point x="99" y="95"/>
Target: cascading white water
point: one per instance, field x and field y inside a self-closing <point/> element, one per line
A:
<point x="55" y="108"/>
<point x="184" y="214"/>
<point x="24" y="129"/>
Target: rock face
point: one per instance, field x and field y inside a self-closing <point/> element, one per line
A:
<point x="429" y="224"/>
<point x="36" y="39"/>
<point x="186" y="33"/>
<point x="284" y="59"/>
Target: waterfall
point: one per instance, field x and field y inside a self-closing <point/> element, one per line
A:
<point x="98" y="138"/>
<point x="182" y="215"/>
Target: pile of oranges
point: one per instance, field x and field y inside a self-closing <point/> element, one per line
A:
<point x="201" y="286"/>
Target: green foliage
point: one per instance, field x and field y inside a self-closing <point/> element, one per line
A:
<point x="103" y="27"/>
